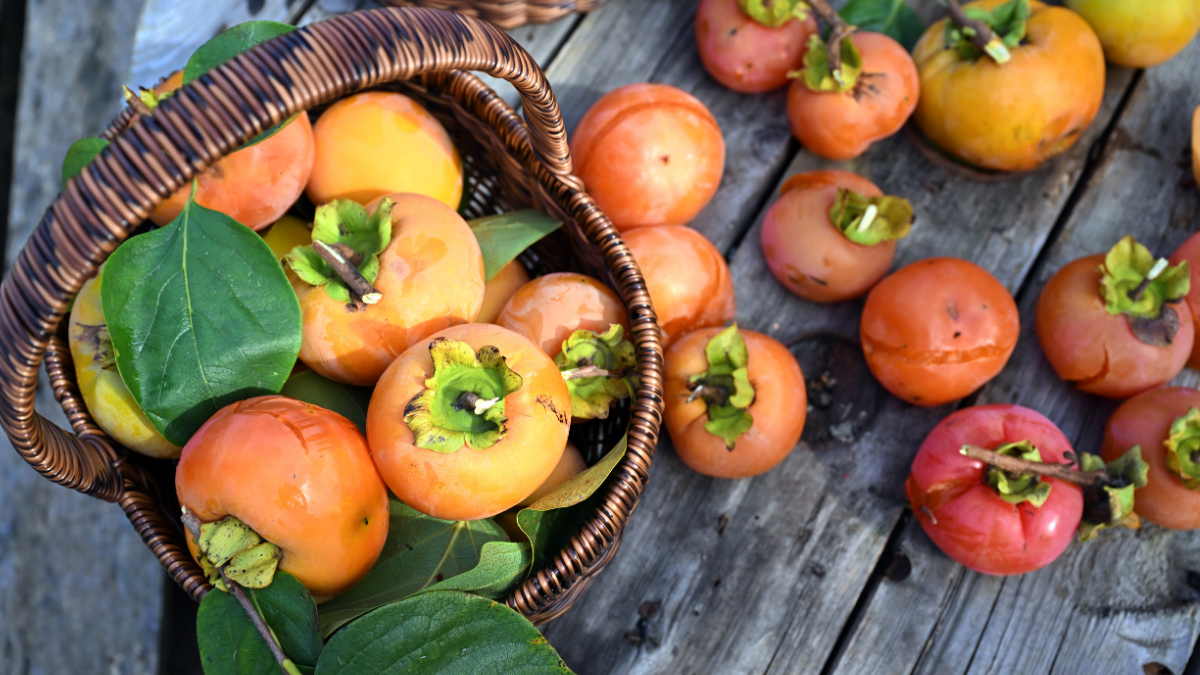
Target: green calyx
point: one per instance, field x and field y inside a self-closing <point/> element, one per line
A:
<point x="1018" y="488"/>
<point x="360" y="238"/>
<point x="1007" y="22"/>
<point x="871" y="220"/>
<point x="463" y="403"/>
<point x="725" y="387"/>
<point x="145" y="100"/>
<point x="774" y="13"/>
<point x="230" y="546"/>
<point x="1183" y="449"/>
<point x="1111" y="504"/>
<point x="817" y="73"/>
<point x="1138" y="286"/>
<point x="586" y="350"/>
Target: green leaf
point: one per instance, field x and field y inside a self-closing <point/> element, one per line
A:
<point x="774" y="13"/>
<point x="229" y="643"/>
<point x="201" y="315"/>
<point x="551" y="521"/>
<point x="420" y="551"/>
<point x="1008" y="22"/>
<point x="504" y="237"/>
<point x="79" y="155"/>
<point x="502" y="565"/>
<point x="1135" y="284"/>
<point x="817" y="74"/>
<point x="229" y="44"/>
<point x="447" y="632"/>
<point x="893" y="18"/>
<point x="343" y="399"/>
<point x="871" y="220"/>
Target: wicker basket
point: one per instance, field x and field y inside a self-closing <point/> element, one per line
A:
<point x="508" y="13"/>
<point x="509" y="165"/>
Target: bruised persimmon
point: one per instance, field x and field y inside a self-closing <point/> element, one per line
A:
<point x="377" y="143"/>
<point x="469" y="422"/>
<point x="418" y="254"/>
<point x="832" y="234"/>
<point x="499" y="289"/>
<point x="1010" y="116"/>
<point x="650" y="154"/>
<point x="550" y="308"/>
<point x="750" y="54"/>
<point x="1117" y="324"/>
<point x="298" y="475"/>
<point x="840" y="119"/>
<point x="938" y="329"/>
<point x="687" y="277"/>
<point x="735" y="401"/>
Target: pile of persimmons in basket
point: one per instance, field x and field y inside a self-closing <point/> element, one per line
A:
<point x="369" y="398"/>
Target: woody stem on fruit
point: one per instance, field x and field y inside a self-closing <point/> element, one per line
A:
<point x="716" y="395"/>
<point x="981" y="34"/>
<point x="477" y="404"/>
<point x="1017" y="465"/>
<point x="1155" y="272"/>
<point x="340" y="258"/>
<point x="590" y="370"/>
<point x="840" y="30"/>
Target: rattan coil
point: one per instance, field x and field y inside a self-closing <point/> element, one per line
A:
<point x="509" y="164"/>
<point x="508" y="13"/>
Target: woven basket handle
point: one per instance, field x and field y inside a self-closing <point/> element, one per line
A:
<point x="203" y="122"/>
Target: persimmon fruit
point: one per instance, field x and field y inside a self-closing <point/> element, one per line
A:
<point x="469" y="422"/>
<point x="1189" y="250"/>
<point x="744" y="54"/>
<point x="824" y="260"/>
<point x="499" y="289"/>
<point x="571" y="464"/>
<point x="548" y="309"/>
<point x="650" y="154"/>
<point x="1140" y="34"/>
<point x="297" y="474"/>
<point x="938" y="329"/>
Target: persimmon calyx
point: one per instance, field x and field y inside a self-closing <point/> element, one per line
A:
<point x="820" y="75"/>
<point x="345" y="251"/>
<point x="229" y="549"/>
<point x="974" y="31"/>
<point x="775" y="13"/>
<point x="144" y="101"/>
<point x="463" y="403"/>
<point x="1110" y="504"/>
<point x="725" y="387"/>
<point x="871" y="220"/>
<point x="1014" y="487"/>
<point x="1183" y="449"/>
<point x="591" y="397"/>
<point x="1133" y="283"/>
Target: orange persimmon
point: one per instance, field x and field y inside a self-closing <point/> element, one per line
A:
<point x="550" y="308"/>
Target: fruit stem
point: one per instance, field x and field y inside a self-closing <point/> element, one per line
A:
<point x="717" y="396"/>
<point x="139" y="106"/>
<point x="840" y="30"/>
<point x="261" y="626"/>
<point x="591" y="371"/>
<point x="981" y="34"/>
<point x="478" y="405"/>
<point x="337" y="258"/>
<point x="1155" y="272"/>
<point x="1017" y="465"/>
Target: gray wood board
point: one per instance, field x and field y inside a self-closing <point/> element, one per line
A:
<point x="1124" y="601"/>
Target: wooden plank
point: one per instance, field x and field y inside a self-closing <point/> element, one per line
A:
<point x="1075" y="615"/>
<point x="789" y="580"/>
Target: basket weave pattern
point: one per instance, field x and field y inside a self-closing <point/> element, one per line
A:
<point x="508" y="13"/>
<point x="509" y="165"/>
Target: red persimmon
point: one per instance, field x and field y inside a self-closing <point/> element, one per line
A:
<point x="960" y="504"/>
<point x="744" y="54"/>
<point x="1190" y="251"/>
<point x="550" y="308"/>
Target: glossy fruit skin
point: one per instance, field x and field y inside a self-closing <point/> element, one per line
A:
<point x="650" y="154"/>
<point x="938" y="329"/>
<point x="298" y="475"/>
<point x="499" y="289"/>
<point x="550" y="308"/>
<point x="255" y="185"/>
<point x="1015" y="116"/>
<point x="1139" y="34"/>
<point x="779" y="409"/>
<point x="745" y="55"/>
<point x="688" y="280"/>
<point x="1097" y="350"/>
<point x="842" y="126"/>
<point x="807" y="254"/>
<point x="471" y="484"/>
<point x="287" y="233"/>
<point x="109" y="401"/>
<point x="1145" y="420"/>
<point x="1189" y="250"/>
<point x="571" y="464"/>
<point x="1196" y="144"/>
<point x="969" y="521"/>
<point x="431" y="277"/>
<point x="376" y="143"/>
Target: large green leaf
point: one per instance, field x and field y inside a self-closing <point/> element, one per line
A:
<point x="229" y="643"/>
<point x="201" y="315"/>
<point x="79" y="155"/>
<point x="229" y="44"/>
<point x="343" y="399"/>
<point x="420" y="551"/>
<point x="447" y="632"/>
<point x="890" y="17"/>
<point x="551" y="521"/>
<point x="502" y="565"/>
<point x="505" y="236"/>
